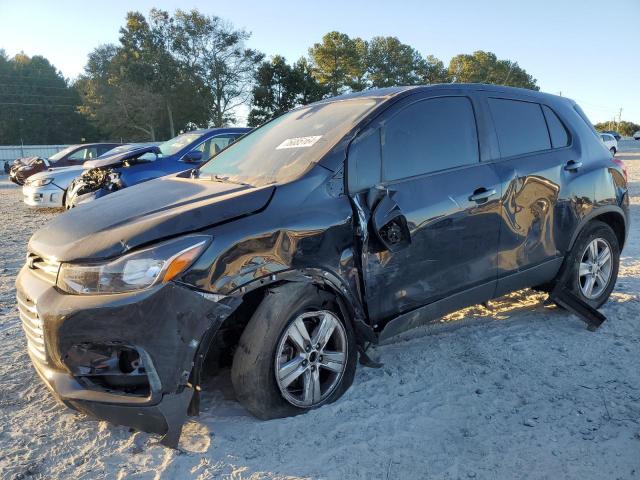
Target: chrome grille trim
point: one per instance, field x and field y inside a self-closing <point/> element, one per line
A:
<point x="43" y="267"/>
<point x="33" y="328"/>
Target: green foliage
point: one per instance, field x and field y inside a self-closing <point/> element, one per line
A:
<point x="484" y="67"/>
<point x="281" y="87"/>
<point x="171" y="72"/>
<point x="434" y="71"/>
<point x="390" y="62"/>
<point x="168" y="73"/>
<point x="338" y="62"/>
<point x="343" y="64"/>
<point x="623" y="127"/>
<point x="37" y="105"/>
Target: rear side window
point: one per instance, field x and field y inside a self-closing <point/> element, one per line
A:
<point x="428" y="136"/>
<point x="520" y="127"/>
<point x="557" y="130"/>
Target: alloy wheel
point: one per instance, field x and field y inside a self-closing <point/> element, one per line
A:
<point x="311" y="358"/>
<point x="595" y="268"/>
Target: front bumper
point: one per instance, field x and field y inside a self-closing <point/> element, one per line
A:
<point x="49" y="196"/>
<point x="165" y="323"/>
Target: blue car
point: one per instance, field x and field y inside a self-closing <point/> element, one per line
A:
<point x="127" y="168"/>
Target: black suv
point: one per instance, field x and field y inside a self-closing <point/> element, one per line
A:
<point x="339" y="223"/>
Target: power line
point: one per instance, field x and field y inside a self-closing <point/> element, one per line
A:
<point x="32" y="86"/>
<point x="39" y="104"/>
<point x="35" y="95"/>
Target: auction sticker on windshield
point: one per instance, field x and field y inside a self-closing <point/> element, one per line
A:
<point x="298" y="142"/>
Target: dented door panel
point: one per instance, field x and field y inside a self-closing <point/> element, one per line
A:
<point x="453" y="242"/>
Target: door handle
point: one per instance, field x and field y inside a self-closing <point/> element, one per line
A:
<point x="482" y="195"/>
<point x="572" y="166"/>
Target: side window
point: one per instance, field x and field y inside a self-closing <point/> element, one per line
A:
<point x="84" y="154"/>
<point x="104" y="149"/>
<point x="428" y="136"/>
<point x="557" y="130"/>
<point x="212" y="146"/>
<point x="520" y="127"/>
<point x="363" y="168"/>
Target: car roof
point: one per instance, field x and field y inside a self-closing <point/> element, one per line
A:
<point x="96" y="144"/>
<point x="202" y="131"/>
<point x="396" y="91"/>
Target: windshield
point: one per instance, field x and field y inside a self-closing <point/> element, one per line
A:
<point x="62" y="153"/>
<point x="284" y="148"/>
<point x="178" y="143"/>
<point x="117" y="150"/>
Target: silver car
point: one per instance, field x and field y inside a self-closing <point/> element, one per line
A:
<point x="48" y="189"/>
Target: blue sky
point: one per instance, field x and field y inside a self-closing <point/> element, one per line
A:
<point x="586" y="49"/>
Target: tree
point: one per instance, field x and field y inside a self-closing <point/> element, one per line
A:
<point x="338" y="62"/>
<point x="623" y="127"/>
<point x="484" y="67"/>
<point x="37" y="104"/>
<point x="274" y="93"/>
<point x="308" y="89"/>
<point x="215" y="51"/>
<point x="281" y="87"/>
<point x="390" y="62"/>
<point x="434" y="71"/>
<point x="146" y="58"/>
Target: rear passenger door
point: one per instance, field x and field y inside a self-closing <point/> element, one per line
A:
<point x="535" y="154"/>
<point x="431" y="208"/>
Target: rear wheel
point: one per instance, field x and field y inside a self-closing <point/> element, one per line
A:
<point x="591" y="268"/>
<point x="296" y="353"/>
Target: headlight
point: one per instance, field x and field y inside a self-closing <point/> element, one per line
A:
<point x="40" y="182"/>
<point x="133" y="271"/>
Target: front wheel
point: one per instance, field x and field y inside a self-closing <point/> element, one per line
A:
<point x="591" y="268"/>
<point x="296" y="353"/>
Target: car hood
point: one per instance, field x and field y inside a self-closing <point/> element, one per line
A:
<point x="151" y="211"/>
<point x="119" y="158"/>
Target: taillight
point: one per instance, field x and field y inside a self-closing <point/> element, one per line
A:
<point x="622" y="166"/>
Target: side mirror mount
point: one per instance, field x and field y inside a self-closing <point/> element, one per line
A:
<point x="194" y="156"/>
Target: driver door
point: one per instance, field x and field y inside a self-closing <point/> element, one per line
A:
<point x="429" y="209"/>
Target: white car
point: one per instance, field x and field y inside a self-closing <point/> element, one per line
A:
<point x="47" y="189"/>
<point x="610" y="141"/>
<point x="636" y="136"/>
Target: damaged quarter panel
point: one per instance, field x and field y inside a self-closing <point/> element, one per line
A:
<point x="306" y="229"/>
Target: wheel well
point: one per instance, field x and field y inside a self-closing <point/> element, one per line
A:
<point x="223" y="345"/>
<point x="616" y="222"/>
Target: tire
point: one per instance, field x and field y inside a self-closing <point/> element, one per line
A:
<point x="570" y="274"/>
<point x="253" y="372"/>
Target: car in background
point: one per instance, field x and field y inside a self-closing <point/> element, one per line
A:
<point x="610" y="141"/>
<point x="48" y="189"/>
<point x="636" y="136"/>
<point x="615" y="134"/>
<point x="115" y="172"/>
<point x="74" y="155"/>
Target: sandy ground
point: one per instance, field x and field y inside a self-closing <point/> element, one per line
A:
<point x="517" y="391"/>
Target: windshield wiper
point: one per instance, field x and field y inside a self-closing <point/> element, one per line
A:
<point x="226" y="179"/>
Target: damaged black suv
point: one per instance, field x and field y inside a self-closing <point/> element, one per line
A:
<point x="337" y="224"/>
